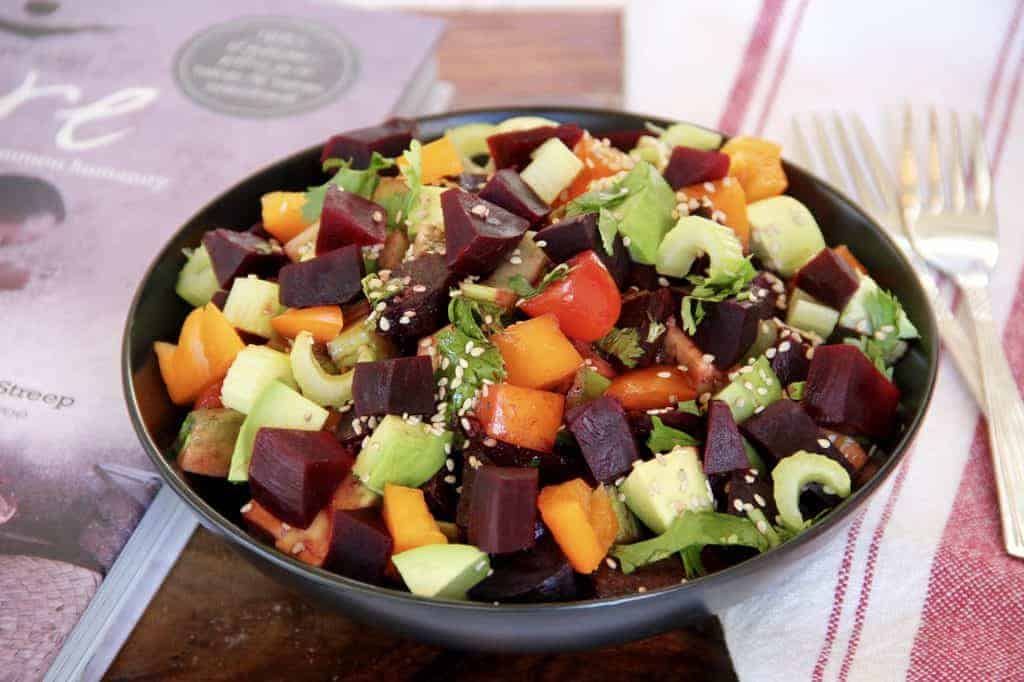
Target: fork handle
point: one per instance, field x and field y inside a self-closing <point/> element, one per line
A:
<point x="955" y="340"/>
<point x="1005" y="415"/>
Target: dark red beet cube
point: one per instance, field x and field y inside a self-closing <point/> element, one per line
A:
<point x="784" y="427"/>
<point x="540" y="574"/>
<point x="789" y="359"/>
<point x="623" y="140"/>
<point x="723" y="446"/>
<point x="331" y="279"/>
<point x="472" y="182"/>
<point x="477" y="233"/>
<point x="423" y="303"/>
<point x="747" y="487"/>
<point x="507" y="189"/>
<point x="727" y="331"/>
<point x="394" y="386"/>
<point x="220" y="297"/>
<point x="348" y="218"/>
<point x="440" y="496"/>
<point x="360" y="546"/>
<point x="639" y="307"/>
<point x="828" y="278"/>
<point x="503" y="509"/>
<point x="237" y="254"/>
<point x="847" y="393"/>
<point x="688" y="166"/>
<point x="294" y="473"/>
<point x="604" y="437"/>
<point x="390" y="139"/>
<point x="513" y="149"/>
<point x="765" y="291"/>
<point x="553" y="467"/>
<point x="571" y="236"/>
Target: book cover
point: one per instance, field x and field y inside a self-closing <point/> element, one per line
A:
<point x="117" y="122"/>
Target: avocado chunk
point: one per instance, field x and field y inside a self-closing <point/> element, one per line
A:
<point x="207" y="441"/>
<point x="784" y="234"/>
<point x="254" y="368"/>
<point x="792" y="474"/>
<point x="629" y="525"/>
<point x="445" y="571"/>
<point x="402" y="452"/>
<point x="811" y="315"/>
<point x="689" y="135"/>
<point x="658" y="490"/>
<point x="754" y="387"/>
<point x="280" y="407"/>
<point x="690" y="532"/>
<point x="694" y="236"/>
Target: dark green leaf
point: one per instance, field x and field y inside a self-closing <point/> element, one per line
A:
<point x="361" y="182"/>
<point x="623" y="344"/>
<point x="717" y="286"/>
<point x="664" y="438"/>
<point x="525" y="290"/>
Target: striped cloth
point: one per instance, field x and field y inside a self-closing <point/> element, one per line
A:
<point x="917" y="586"/>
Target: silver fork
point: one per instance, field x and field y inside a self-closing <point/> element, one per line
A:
<point x="958" y="234"/>
<point x="876" y="194"/>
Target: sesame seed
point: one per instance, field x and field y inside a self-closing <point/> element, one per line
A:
<point x="759" y="409"/>
<point x="541" y="243"/>
<point x="709" y="187"/>
<point x="664" y="375"/>
<point x="490" y="442"/>
<point x="475" y="462"/>
<point x="749" y="479"/>
<point x="298" y="548"/>
<point x="377" y="216"/>
<point x="770" y="353"/>
<point x="737" y="505"/>
<point x="708" y="358"/>
<point x="463" y="364"/>
<point x="761" y="390"/>
<point x="784" y="346"/>
<point x="247" y="507"/>
<point x="516" y="260"/>
<point x="449" y="479"/>
<point x="611" y="563"/>
<point x="384" y="324"/>
<point x="477" y="352"/>
<point x="404" y="320"/>
<point x="641" y="589"/>
<point x="622" y="497"/>
<point x="662" y="281"/>
<point x="480" y="210"/>
<point x="465" y="424"/>
<point x="760" y="500"/>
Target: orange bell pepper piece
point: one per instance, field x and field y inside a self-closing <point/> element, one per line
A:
<point x="323" y="322"/>
<point x="843" y="251"/>
<point x="521" y="416"/>
<point x="206" y="348"/>
<point x="221" y="343"/>
<point x="308" y="545"/>
<point x="438" y="159"/>
<point x="536" y="353"/>
<point x="282" y="214"/>
<point x="600" y="160"/>
<point x="727" y="196"/>
<point x="581" y="520"/>
<point x="652" y="388"/>
<point x="757" y="164"/>
<point x="409" y="520"/>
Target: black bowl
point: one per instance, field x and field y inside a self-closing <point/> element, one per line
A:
<point x="157" y="314"/>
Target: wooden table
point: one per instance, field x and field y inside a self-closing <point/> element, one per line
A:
<point x="218" y="618"/>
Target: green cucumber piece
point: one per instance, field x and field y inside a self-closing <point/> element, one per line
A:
<point x="251" y="304"/>
<point x="754" y="386"/>
<point x="445" y="571"/>
<point x="767" y="336"/>
<point x="552" y="169"/>
<point x="197" y="282"/>
<point x="629" y="525"/>
<point x="523" y="123"/>
<point x="688" y="135"/>
<point x="329" y="390"/>
<point x="357" y="342"/>
<point x="471" y="139"/>
<point x="808" y="314"/>
<point x="401" y="452"/>
<point x="651" y="150"/>
<point x="278" y="406"/>
<point x="792" y="474"/>
<point x="694" y="236"/>
<point x="659" y="489"/>
<point x="254" y="368"/>
<point x="427" y="210"/>
<point x="783" y="234"/>
<point x="587" y="385"/>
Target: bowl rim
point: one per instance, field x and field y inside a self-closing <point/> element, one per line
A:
<point x="327" y="579"/>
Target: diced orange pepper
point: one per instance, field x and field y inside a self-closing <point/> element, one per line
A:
<point x="308" y="545"/>
<point x="439" y="159"/>
<point x="221" y="343"/>
<point x="521" y="416"/>
<point x="599" y="161"/>
<point x="409" y="520"/>
<point x="536" y="353"/>
<point x="178" y="387"/>
<point x="582" y="521"/>
<point x="323" y="322"/>
<point x="282" y="214"/>
<point x="843" y="251"/>
<point x="726" y="195"/>
<point x="206" y="348"/>
<point x="303" y="244"/>
<point x="651" y="388"/>
<point x="757" y="164"/>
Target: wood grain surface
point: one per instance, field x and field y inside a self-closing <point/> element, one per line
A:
<point x="218" y="618"/>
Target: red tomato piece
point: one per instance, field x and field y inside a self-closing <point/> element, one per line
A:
<point x="586" y="301"/>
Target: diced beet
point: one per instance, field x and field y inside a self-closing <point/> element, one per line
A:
<point x="789" y="358"/>
<point x="348" y="218"/>
<point x="360" y="546"/>
<point x="237" y="254"/>
<point x="846" y="392"/>
<point x="220" y="297"/>
<point x="394" y="386"/>
<point x="723" y="446"/>
<point x="554" y="467"/>
<point x="642" y="306"/>
<point x="513" y="149"/>
<point x="258" y="230"/>
<point x="765" y="291"/>
<point x="540" y="574"/>
<point x="783" y="428"/>
<point x="477" y="233"/>
<point x="463" y="510"/>
<point x="293" y="473"/>
<point x="604" y="437"/>
<point x="472" y="182"/>
<point x="643" y="277"/>
<point x="423" y="304"/>
<point x="727" y="331"/>
<point x="755" y="489"/>
<point x="624" y="140"/>
<point x="503" y="510"/>
<point x="390" y="139"/>
<point x="440" y="495"/>
<point x="688" y="166"/>
<point x="571" y="236"/>
<point x="828" y="278"/>
<point x="507" y="189"/>
<point x="612" y="582"/>
<point x="331" y="279"/>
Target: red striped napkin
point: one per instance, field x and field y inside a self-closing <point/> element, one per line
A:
<point x="917" y="586"/>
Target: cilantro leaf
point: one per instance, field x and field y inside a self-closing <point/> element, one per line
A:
<point x="664" y="438"/>
<point x="716" y="287"/>
<point x="525" y="290"/>
<point x="597" y="199"/>
<point x="795" y="390"/>
<point x="361" y="182"/>
<point x="884" y="315"/>
<point x="377" y="289"/>
<point x="654" y="329"/>
<point x="413" y="174"/>
<point x="468" y="359"/>
<point x="689" y="407"/>
<point x="623" y="344"/>
<point x="475" y="318"/>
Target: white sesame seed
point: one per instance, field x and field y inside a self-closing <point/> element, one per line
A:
<point x="749" y="479"/>
<point x="611" y="563"/>
<point x="247" y="507"/>
<point x="384" y="324"/>
<point x="760" y="500"/>
<point x="449" y="479"/>
<point x="824" y="442"/>
<point x="708" y="358"/>
<point x="641" y="589"/>
<point x="626" y="241"/>
<point x="664" y="375"/>
<point x="377" y="216"/>
<point x="770" y="353"/>
<point x="480" y="210"/>
<point x="490" y="442"/>
<point x="784" y="346"/>
<point x="709" y="187"/>
<point x="662" y="282"/>
<point x="541" y="243"/>
<point x="515" y="260"/>
<point x="761" y="390"/>
<point x="759" y="409"/>
<point x="465" y="424"/>
<point x="737" y="505"/>
<point x="298" y="548"/>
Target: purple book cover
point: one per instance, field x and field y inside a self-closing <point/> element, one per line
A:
<point x="117" y="122"/>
